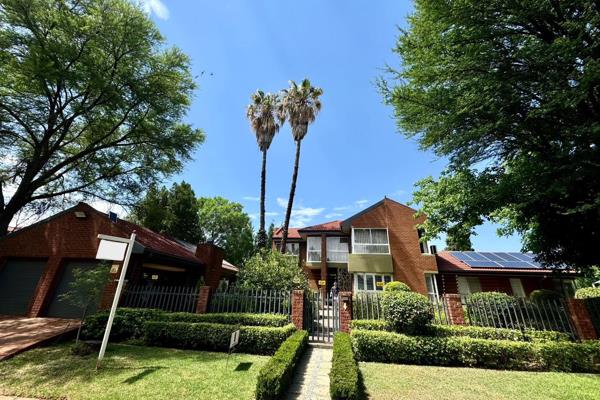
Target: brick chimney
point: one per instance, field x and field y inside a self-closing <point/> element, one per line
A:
<point x="212" y="257"/>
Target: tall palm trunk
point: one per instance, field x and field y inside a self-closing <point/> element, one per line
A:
<point x="288" y="212"/>
<point x="262" y="235"/>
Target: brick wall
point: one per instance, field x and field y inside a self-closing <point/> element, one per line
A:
<point x="345" y="311"/>
<point x="211" y="256"/>
<point x="298" y="308"/>
<point x="581" y="319"/>
<point x="409" y="263"/>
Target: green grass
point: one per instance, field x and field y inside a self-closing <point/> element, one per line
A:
<point x="130" y="372"/>
<point x="392" y="381"/>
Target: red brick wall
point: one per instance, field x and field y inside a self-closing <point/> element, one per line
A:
<point x="298" y="308"/>
<point x="495" y="284"/>
<point x="211" y="256"/>
<point x="64" y="234"/>
<point x="409" y="263"/>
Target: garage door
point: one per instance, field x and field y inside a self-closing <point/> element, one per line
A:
<point x="18" y="280"/>
<point x="61" y="308"/>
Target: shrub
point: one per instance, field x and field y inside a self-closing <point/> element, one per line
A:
<point x="543" y="295"/>
<point x="81" y="349"/>
<point x="270" y="270"/>
<point x="407" y="312"/>
<point x="276" y="375"/>
<point x="587" y="293"/>
<point x="476" y="332"/>
<point x="396" y="286"/>
<point x="215" y="337"/>
<point x="498" y="304"/>
<point x="128" y="323"/>
<point x="370" y="325"/>
<point x="465" y="351"/>
<point x="498" y="297"/>
<point x="344" y="375"/>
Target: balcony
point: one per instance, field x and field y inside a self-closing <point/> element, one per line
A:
<point x="375" y="263"/>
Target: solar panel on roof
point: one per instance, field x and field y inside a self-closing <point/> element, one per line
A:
<point x="497" y="260"/>
<point x="477" y="257"/>
<point x="491" y="256"/>
<point x="483" y="264"/>
<point x="461" y="255"/>
<point x="516" y="264"/>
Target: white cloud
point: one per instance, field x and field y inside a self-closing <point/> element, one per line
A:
<point x="251" y="198"/>
<point x="282" y="202"/>
<point x="301" y="216"/>
<point x="400" y="192"/>
<point x="271" y="214"/>
<point x="333" y="215"/>
<point x="156" y="7"/>
<point x="361" y="203"/>
<point x="342" y="208"/>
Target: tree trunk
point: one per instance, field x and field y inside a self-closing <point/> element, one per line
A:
<point x="5" y="218"/>
<point x="288" y="212"/>
<point x="262" y="236"/>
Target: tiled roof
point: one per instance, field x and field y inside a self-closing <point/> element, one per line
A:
<point x="448" y="263"/>
<point x="326" y="226"/>
<point x="292" y="233"/>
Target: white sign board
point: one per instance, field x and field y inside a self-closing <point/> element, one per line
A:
<point x="235" y="339"/>
<point x="109" y="250"/>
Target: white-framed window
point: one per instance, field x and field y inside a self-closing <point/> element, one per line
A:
<point x="337" y="249"/>
<point x="292" y="249"/>
<point x="517" y="287"/>
<point x="468" y="285"/>
<point x="370" y="241"/>
<point x="371" y="282"/>
<point x="432" y="286"/>
<point x="313" y="249"/>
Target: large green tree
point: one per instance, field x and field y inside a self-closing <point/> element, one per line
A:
<point x="299" y="105"/>
<point x="172" y="212"/>
<point x="509" y="93"/>
<point x="91" y="104"/>
<point x="270" y="270"/>
<point x="225" y="223"/>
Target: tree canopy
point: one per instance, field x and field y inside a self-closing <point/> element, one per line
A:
<point x="271" y="270"/>
<point x="91" y="104"/>
<point x="509" y="94"/>
<point x="225" y="223"/>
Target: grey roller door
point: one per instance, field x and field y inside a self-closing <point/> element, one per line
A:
<point x="18" y="280"/>
<point x="61" y="308"/>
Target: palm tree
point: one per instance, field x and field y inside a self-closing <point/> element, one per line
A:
<point x="299" y="104"/>
<point x="262" y="113"/>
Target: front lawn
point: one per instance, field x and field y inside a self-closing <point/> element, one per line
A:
<point x="394" y="381"/>
<point x="130" y="372"/>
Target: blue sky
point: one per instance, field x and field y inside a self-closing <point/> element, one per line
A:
<point x="353" y="154"/>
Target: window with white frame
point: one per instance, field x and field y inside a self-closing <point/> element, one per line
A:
<point x="371" y="282"/>
<point x="370" y="241"/>
<point x="337" y="249"/>
<point x="313" y="249"/>
<point x="423" y="245"/>
<point x="432" y="287"/>
<point x="517" y="287"/>
<point x="292" y="249"/>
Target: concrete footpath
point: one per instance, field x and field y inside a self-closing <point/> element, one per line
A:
<point x="311" y="380"/>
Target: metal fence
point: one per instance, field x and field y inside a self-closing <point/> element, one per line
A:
<point x="259" y="301"/>
<point x="593" y="306"/>
<point x="367" y="305"/>
<point x="519" y="313"/>
<point x="167" y="298"/>
<point x="321" y="315"/>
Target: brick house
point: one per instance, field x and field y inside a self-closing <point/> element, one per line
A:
<point x="37" y="262"/>
<point x="382" y="243"/>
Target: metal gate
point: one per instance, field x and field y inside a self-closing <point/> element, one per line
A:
<point x="321" y="315"/>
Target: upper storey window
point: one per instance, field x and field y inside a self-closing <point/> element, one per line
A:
<point x="313" y="249"/>
<point x="370" y="241"/>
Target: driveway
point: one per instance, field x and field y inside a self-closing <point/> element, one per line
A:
<point x="21" y="333"/>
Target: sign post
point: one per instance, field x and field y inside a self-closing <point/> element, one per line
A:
<point x="116" y="249"/>
<point x="233" y="342"/>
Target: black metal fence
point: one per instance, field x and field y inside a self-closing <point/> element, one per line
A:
<point x="593" y="306"/>
<point x="321" y="315"/>
<point x="367" y="305"/>
<point x="519" y="313"/>
<point x="167" y="298"/>
<point x="260" y="301"/>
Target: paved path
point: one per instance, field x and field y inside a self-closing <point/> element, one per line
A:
<point x="15" y="398"/>
<point x="311" y="380"/>
<point x="19" y="333"/>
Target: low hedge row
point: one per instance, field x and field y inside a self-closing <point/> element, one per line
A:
<point x="276" y="375"/>
<point x="476" y="332"/>
<point x="129" y="322"/>
<point x="344" y="375"/>
<point x="209" y="336"/>
<point x="388" y="347"/>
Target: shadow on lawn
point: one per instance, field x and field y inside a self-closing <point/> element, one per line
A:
<point x="243" y="366"/>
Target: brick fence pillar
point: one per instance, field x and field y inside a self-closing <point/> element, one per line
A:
<point x="44" y="287"/>
<point x="203" y="298"/>
<point x="298" y="308"/>
<point x="345" y="311"/>
<point x="581" y="319"/>
<point x="456" y="314"/>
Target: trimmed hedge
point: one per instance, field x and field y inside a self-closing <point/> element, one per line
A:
<point x="407" y="312"/>
<point x="396" y="286"/>
<point x="129" y="322"/>
<point x="209" y="336"/>
<point x="587" y="293"/>
<point x="344" y="375"/>
<point x="276" y="375"/>
<point x="476" y="332"/>
<point x="391" y="347"/>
